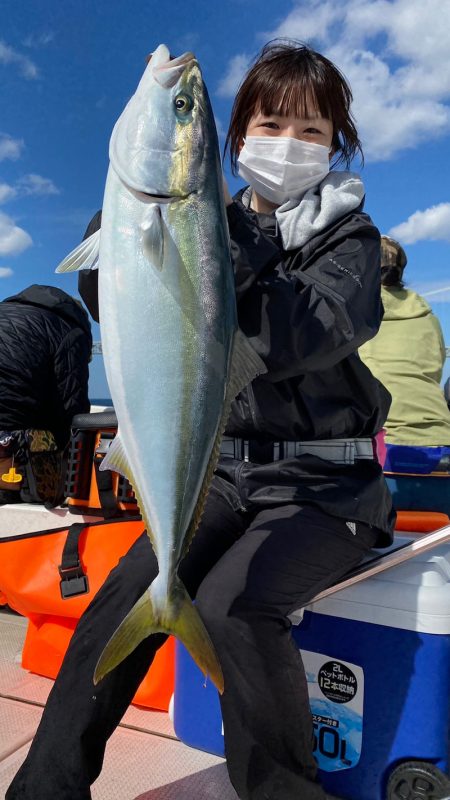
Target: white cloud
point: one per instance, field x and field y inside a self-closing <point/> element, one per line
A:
<point x="220" y="128"/>
<point x="389" y="118"/>
<point x="308" y="21"/>
<point x="395" y="56"/>
<point x="39" y="39"/>
<point x="433" y="223"/>
<point x="26" y="66"/>
<point x="27" y="186"/>
<point x="434" y="291"/>
<point x="10" y="148"/>
<point x="231" y="80"/>
<point x="13" y="240"/>
<point x="7" y="192"/>
<point x="36" y="185"/>
<point x="6" y="272"/>
<point x="440" y="293"/>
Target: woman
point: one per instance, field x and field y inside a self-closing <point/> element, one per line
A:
<point x="408" y="356"/>
<point x="298" y="495"/>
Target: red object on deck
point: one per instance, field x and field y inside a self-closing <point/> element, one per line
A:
<point x="421" y="521"/>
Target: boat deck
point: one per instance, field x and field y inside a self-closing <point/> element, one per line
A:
<point x="144" y="759"/>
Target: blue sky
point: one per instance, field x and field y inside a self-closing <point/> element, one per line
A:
<point x="68" y="68"/>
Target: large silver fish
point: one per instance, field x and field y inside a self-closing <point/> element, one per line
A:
<point x="174" y="355"/>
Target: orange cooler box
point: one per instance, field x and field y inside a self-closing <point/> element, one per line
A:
<point x="32" y="584"/>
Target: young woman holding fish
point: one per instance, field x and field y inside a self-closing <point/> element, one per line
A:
<point x="298" y="496"/>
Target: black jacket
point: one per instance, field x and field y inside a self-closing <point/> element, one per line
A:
<point x="88" y="278"/>
<point x="45" y="347"/>
<point x="306" y="312"/>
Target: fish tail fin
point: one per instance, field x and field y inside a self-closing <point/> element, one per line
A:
<point x="189" y="628"/>
<point x="178" y="617"/>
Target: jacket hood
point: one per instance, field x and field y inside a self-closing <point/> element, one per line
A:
<point x="403" y="304"/>
<point x="298" y="221"/>
<point x="336" y="196"/>
<point x="53" y="299"/>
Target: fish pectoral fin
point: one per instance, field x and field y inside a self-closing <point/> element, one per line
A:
<point x="85" y="256"/>
<point x="153" y="236"/>
<point x="245" y="366"/>
<point x="116" y="459"/>
<point x="179" y="617"/>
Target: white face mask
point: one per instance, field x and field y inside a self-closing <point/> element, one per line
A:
<point x="281" y="168"/>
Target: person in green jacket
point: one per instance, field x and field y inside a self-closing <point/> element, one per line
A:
<point x="407" y="355"/>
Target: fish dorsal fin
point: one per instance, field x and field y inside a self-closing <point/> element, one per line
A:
<point x="85" y="256"/>
<point x="245" y="366"/>
<point x="153" y="236"/>
<point x="116" y="459"/>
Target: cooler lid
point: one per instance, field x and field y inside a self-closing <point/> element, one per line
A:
<point x="413" y="596"/>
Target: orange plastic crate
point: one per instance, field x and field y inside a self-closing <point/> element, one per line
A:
<point x="421" y="521"/>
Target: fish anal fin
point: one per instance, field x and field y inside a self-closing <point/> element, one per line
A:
<point x="84" y="256"/>
<point x="178" y="617"/>
<point x="116" y="459"/>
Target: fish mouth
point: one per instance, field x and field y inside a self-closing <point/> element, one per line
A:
<point x="153" y="197"/>
<point x="167" y="70"/>
<point x="150" y="197"/>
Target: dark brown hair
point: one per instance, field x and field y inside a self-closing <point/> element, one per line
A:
<point x="284" y="75"/>
<point x="392" y="276"/>
<point x="393" y="262"/>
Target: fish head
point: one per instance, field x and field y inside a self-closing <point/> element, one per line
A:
<point x="164" y="136"/>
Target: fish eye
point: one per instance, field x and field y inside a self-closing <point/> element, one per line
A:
<point x="183" y="103"/>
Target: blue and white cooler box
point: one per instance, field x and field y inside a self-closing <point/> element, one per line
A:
<point x="377" y="660"/>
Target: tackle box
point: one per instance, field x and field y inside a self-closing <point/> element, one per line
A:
<point x="87" y="489"/>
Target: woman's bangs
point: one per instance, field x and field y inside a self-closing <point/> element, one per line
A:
<point x="294" y="96"/>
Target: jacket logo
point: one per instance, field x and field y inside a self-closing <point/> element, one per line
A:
<point x="347" y="271"/>
<point x="352" y="527"/>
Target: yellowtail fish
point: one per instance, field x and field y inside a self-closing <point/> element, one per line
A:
<point x="174" y="356"/>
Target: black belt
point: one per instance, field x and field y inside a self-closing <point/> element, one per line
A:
<point x="339" y="451"/>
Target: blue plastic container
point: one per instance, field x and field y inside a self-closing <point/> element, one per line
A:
<point x="377" y="658"/>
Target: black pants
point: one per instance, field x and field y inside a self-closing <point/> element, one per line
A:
<point x="249" y="570"/>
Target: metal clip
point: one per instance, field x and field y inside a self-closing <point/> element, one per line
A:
<point x="73" y="581"/>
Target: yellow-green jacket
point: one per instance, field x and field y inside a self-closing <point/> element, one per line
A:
<point x="407" y="356"/>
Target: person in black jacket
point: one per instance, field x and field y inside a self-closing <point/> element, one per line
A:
<point x="298" y="495"/>
<point x="87" y="278"/>
<point x="45" y="348"/>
